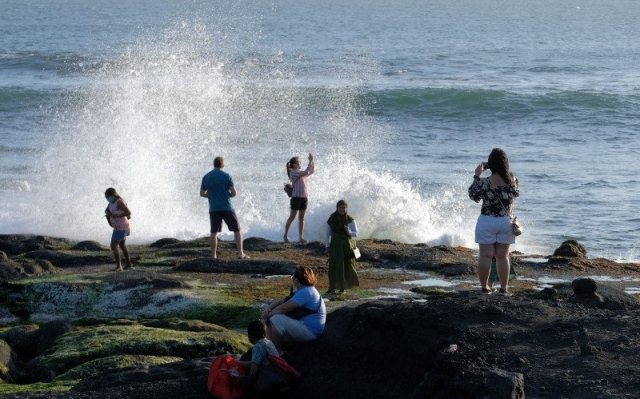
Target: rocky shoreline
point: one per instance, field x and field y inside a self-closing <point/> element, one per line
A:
<point x="71" y="327"/>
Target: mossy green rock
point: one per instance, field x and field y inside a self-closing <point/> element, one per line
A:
<point x="84" y="345"/>
<point x="434" y="291"/>
<point x="96" y="367"/>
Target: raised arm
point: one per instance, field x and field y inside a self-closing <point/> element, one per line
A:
<point x="475" y="190"/>
<point x="311" y="167"/>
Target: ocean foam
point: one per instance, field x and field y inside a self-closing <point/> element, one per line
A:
<point x="150" y="122"/>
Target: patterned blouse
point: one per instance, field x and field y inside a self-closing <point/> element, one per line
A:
<point x="496" y="201"/>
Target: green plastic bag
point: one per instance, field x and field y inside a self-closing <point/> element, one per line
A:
<point x="493" y="276"/>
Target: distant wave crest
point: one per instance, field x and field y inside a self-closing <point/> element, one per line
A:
<point x="467" y="102"/>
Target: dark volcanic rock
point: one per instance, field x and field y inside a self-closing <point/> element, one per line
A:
<point x="50" y="332"/>
<point x="15" y="244"/>
<point x="377" y="341"/>
<point x="261" y="244"/>
<point x="191" y="372"/>
<point x="88" y="246"/>
<point x="10" y="269"/>
<point x="463" y="346"/>
<point x="587" y="292"/>
<point x="494" y="355"/>
<point x="462" y="269"/>
<point x="472" y="382"/>
<point x="584" y="286"/>
<point x="163" y="242"/>
<point x="7" y="363"/>
<point x="23" y="340"/>
<point x="197" y="243"/>
<point x="207" y="265"/>
<point x="604" y="296"/>
<point x="177" y="253"/>
<point x="63" y="259"/>
<point x="571" y="249"/>
<point x="137" y="278"/>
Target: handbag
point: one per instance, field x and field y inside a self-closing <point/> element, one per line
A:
<point x="516" y="226"/>
<point x="288" y="188"/>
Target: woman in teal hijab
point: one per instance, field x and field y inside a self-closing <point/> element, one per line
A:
<point x="341" y="228"/>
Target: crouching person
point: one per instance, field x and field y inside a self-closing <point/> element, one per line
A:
<point x="301" y="316"/>
<point x="266" y="373"/>
<point x="256" y="358"/>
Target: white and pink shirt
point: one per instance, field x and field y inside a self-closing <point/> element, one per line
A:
<point x="118" y="220"/>
<point x="299" y="180"/>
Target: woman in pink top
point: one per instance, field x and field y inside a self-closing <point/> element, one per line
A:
<point x="300" y="194"/>
<point x="118" y="215"/>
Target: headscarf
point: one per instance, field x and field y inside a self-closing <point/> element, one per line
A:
<point x="337" y="222"/>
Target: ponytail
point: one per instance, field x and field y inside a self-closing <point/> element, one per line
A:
<point x="290" y="165"/>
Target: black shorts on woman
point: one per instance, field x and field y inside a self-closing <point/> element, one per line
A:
<point x="298" y="204"/>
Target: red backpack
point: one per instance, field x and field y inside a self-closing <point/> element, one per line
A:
<point x="223" y="377"/>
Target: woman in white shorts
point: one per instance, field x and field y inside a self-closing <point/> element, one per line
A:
<point x="494" y="234"/>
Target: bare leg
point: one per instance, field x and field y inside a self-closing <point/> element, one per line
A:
<point x="125" y="252"/>
<point x="214" y="245"/>
<point x="484" y="267"/>
<point x="502" y="265"/>
<point x="237" y="235"/>
<point x="301" y="225"/>
<point x="287" y="226"/>
<point x="116" y="254"/>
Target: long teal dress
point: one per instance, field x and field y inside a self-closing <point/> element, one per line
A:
<point x="342" y="273"/>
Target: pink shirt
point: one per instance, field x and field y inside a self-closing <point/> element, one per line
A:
<point x="118" y="220"/>
<point x="299" y="180"/>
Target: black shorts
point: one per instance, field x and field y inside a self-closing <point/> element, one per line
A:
<point x="298" y="204"/>
<point x="229" y="218"/>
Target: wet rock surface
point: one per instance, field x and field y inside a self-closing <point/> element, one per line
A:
<point x="572" y="339"/>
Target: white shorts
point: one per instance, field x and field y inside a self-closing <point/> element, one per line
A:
<point x="293" y="329"/>
<point x="494" y="229"/>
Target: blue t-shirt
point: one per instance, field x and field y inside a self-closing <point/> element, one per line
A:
<point x="217" y="183"/>
<point x="309" y="297"/>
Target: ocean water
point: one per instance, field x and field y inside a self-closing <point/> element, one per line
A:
<point x="398" y="100"/>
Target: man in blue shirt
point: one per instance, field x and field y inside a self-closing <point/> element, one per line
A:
<point x="217" y="186"/>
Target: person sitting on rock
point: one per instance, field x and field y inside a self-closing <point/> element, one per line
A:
<point x="301" y="316"/>
<point x="258" y="355"/>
